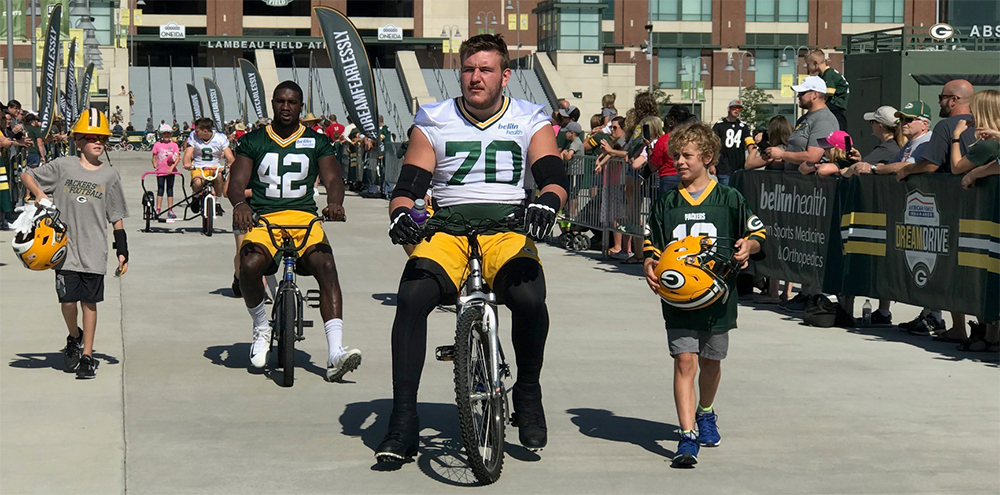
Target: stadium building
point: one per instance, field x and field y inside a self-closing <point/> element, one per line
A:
<point x="698" y="52"/>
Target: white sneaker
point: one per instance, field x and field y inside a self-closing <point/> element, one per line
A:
<point x="261" y="344"/>
<point x="346" y="361"/>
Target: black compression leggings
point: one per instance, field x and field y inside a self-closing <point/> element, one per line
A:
<point x="520" y="285"/>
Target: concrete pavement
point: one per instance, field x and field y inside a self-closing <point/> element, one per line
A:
<point x="174" y="409"/>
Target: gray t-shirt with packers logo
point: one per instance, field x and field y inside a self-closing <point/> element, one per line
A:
<point x="87" y="200"/>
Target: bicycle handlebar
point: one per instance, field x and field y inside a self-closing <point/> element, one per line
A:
<point x="258" y="219"/>
<point x="478" y="227"/>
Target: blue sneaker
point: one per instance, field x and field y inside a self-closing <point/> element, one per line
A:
<point x="708" y="432"/>
<point x="687" y="451"/>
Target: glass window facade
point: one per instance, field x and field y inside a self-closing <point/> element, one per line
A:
<point x="670" y="62"/>
<point x="570" y="28"/>
<point x="777" y="11"/>
<point x="768" y="74"/>
<point x="884" y="11"/>
<point x="680" y="10"/>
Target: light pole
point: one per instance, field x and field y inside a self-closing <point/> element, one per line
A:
<point x="34" y="52"/>
<point x="729" y="67"/>
<point x="517" y="25"/>
<point x="694" y="85"/>
<point x="784" y="63"/>
<point x="649" y="54"/>
<point x="450" y="32"/>
<point x="486" y="17"/>
<point x="10" y="50"/>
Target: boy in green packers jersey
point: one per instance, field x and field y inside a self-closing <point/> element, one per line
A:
<point x="698" y="338"/>
<point x="279" y="164"/>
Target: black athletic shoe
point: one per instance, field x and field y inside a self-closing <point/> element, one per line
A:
<point x="218" y="210"/>
<point x="73" y="351"/>
<point x="236" y="287"/>
<point x="195" y="206"/>
<point x="400" y="442"/>
<point x="529" y="418"/>
<point x="878" y="319"/>
<point x="87" y="369"/>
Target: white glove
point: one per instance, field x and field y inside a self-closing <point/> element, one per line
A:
<point x="26" y="220"/>
<point x="45" y="203"/>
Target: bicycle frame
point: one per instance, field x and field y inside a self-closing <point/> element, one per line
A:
<point x="473" y="295"/>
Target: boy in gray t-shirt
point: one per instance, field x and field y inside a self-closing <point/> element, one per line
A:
<point x="88" y="195"/>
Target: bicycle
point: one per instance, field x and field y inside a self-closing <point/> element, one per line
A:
<point x="205" y="198"/>
<point x="286" y="313"/>
<point x="480" y="366"/>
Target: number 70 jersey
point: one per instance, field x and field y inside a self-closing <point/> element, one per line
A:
<point x="480" y="161"/>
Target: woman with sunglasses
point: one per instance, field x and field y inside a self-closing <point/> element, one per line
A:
<point x="88" y="195"/>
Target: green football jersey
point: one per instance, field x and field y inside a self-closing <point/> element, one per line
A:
<point x="284" y="170"/>
<point x="719" y="212"/>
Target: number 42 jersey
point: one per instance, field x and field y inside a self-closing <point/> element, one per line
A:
<point x="284" y="170"/>
<point x="480" y="161"/>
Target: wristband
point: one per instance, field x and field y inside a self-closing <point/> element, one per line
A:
<point x="874" y="167"/>
<point x="956" y="141"/>
<point x="239" y="203"/>
<point x="121" y="243"/>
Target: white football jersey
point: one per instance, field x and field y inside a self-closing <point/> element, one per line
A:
<point x="207" y="154"/>
<point x="480" y="161"/>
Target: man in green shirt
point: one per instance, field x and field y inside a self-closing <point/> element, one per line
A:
<point x="36" y="148"/>
<point x="838" y="91"/>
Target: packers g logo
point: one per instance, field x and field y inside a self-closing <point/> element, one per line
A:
<point x="942" y="31"/>
<point x="921" y="274"/>
<point x="754" y="223"/>
<point x="672" y="279"/>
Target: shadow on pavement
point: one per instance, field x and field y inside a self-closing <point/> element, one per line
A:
<point x="387" y="298"/>
<point x="237" y="356"/>
<point x="948" y="351"/>
<point x="224" y="291"/>
<point x="53" y="360"/>
<point x="603" y="424"/>
<point x="440" y="454"/>
<point x="153" y="229"/>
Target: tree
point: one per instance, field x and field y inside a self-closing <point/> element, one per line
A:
<point x="753" y="99"/>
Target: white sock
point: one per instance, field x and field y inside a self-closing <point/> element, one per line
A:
<point x="334" y="335"/>
<point x="259" y="316"/>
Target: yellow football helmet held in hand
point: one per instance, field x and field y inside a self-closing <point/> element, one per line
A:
<point x="42" y="245"/>
<point x="692" y="273"/>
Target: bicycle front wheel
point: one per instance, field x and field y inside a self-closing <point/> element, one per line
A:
<point x="208" y="215"/>
<point x="481" y="414"/>
<point x="287" y="321"/>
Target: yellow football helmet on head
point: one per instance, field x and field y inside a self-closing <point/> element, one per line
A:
<point x="43" y="246"/>
<point x="692" y="273"/>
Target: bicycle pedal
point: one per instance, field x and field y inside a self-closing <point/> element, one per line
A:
<point x="307" y="323"/>
<point x="445" y="353"/>
<point x="312" y="298"/>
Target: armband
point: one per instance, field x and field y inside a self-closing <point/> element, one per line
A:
<point x="550" y="169"/>
<point x="121" y="243"/>
<point x="412" y="183"/>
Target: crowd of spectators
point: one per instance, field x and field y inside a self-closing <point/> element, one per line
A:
<point x="964" y="141"/>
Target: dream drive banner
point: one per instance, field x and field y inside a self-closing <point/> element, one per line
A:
<point x="925" y="241"/>
<point x="255" y="88"/>
<point x="798" y="212"/>
<point x="352" y="69"/>
<point x="49" y="68"/>
<point x="214" y="96"/>
<point x="71" y="98"/>
<point x="195" y="100"/>
<point x="88" y="77"/>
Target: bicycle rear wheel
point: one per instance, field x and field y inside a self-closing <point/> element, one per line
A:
<point x="481" y="415"/>
<point x="287" y="321"/>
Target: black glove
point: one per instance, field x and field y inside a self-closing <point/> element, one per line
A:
<point x="540" y="216"/>
<point x="402" y="229"/>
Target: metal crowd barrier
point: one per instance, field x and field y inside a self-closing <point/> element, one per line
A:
<point x="612" y="197"/>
